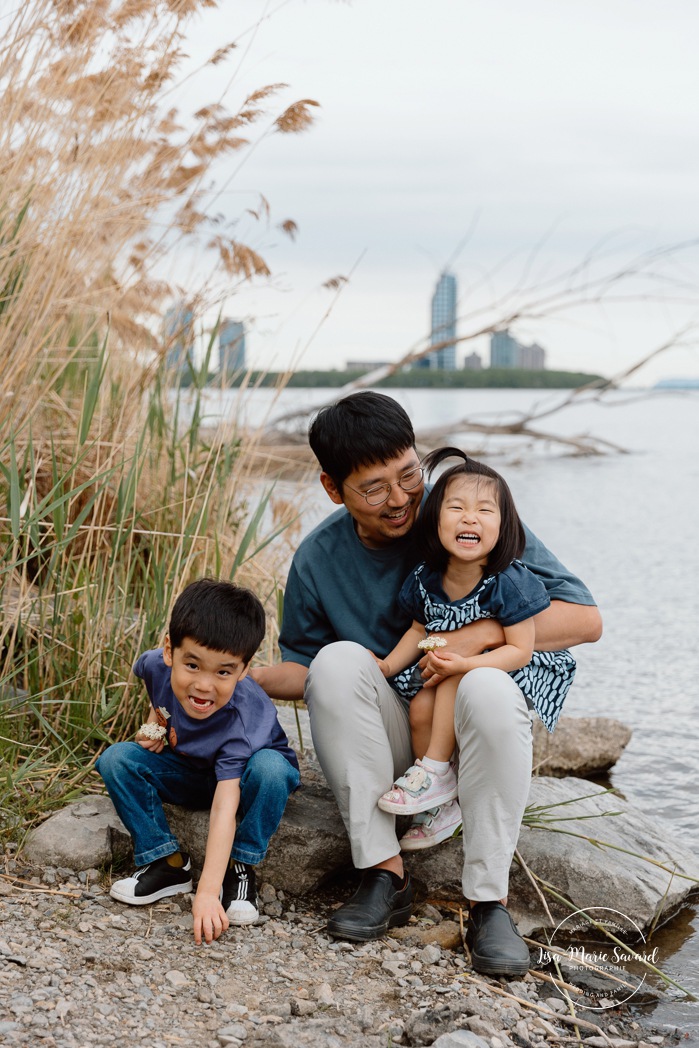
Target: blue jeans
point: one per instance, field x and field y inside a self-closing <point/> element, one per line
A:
<point x="138" y="781"/>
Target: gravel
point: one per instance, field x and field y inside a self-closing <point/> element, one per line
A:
<point x="79" y="970"/>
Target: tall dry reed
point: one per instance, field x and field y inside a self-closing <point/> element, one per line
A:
<point x="110" y="499"/>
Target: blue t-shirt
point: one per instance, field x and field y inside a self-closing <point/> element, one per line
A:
<point x="225" y="740"/>
<point x="339" y="589"/>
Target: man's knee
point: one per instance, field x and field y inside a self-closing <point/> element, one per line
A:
<point x="335" y="669"/>
<point x="335" y="657"/>
<point x="489" y="701"/>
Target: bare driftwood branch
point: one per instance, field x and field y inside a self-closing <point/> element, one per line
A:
<point x="573" y="289"/>
<point x="593" y="391"/>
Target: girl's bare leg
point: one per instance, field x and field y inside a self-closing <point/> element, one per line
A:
<point x="421" y="712"/>
<point x="443" y="738"/>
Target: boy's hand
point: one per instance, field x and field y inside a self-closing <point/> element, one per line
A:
<point x="152" y="734"/>
<point x="209" y="917"/>
<point x="156" y="745"/>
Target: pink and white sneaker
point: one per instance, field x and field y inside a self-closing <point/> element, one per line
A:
<point x="419" y="790"/>
<point x="432" y="827"/>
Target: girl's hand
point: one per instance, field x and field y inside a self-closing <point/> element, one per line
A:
<point x="447" y="663"/>
<point x="381" y="663"/>
<point x="431" y="676"/>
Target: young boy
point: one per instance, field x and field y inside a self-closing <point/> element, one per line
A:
<point x="212" y="739"/>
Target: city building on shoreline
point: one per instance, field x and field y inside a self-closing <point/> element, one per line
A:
<point x="231" y="347"/>
<point x="506" y="352"/>
<point x="443" y="326"/>
<point x="366" y="365"/>
<point x="178" y="336"/>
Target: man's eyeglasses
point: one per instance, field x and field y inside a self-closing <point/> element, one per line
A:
<point x="382" y="492"/>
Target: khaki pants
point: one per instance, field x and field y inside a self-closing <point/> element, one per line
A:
<point x="361" y="735"/>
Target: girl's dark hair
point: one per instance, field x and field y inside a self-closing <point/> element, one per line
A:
<point x="511" y="542"/>
<point x="359" y="430"/>
<point x="220" y="616"/>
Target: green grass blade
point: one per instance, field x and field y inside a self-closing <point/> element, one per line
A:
<point x="92" y="392"/>
<point x="250" y="532"/>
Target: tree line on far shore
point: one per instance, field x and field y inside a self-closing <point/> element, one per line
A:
<point x="487" y="378"/>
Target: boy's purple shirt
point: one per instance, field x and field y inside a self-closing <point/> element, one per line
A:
<point x="227" y="739"/>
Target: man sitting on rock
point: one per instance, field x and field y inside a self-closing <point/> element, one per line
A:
<point x="340" y="601"/>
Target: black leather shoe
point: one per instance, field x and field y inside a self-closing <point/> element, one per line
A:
<point x="496" y="946"/>
<point x="376" y="906"/>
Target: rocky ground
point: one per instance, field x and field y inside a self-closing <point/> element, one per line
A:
<point x="78" y="970"/>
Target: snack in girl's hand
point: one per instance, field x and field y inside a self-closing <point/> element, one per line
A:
<point x="152" y="731"/>
<point x="431" y="642"/>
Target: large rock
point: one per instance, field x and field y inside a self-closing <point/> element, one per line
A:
<point x="83" y="836"/>
<point x="579" y="746"/>
<point x="311" y="845"/>
<point x="625" y="860"/>
<point x="608" y="869"/>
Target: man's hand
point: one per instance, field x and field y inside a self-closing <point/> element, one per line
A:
<point x="209" y="917"/>
<point x="561" y="625"/>
<point x="284" y="680"/>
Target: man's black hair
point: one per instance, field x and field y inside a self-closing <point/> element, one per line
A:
<point x="511" y="541"/>
<point x="218" y="615"/>
<point x="359" y="430"/>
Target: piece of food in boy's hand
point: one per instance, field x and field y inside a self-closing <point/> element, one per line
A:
<point x="151" y="731"/>
<point x="431" y="642"/>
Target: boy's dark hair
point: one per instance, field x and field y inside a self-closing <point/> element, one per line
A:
<point x="359" y="430"/>
<point x="218" y="615"/>
<point x="511" y="542"/>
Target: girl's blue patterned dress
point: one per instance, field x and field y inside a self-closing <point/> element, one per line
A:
<point x="512" y="596"/>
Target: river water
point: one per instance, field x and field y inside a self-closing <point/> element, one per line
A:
<point x="627" y="525"/>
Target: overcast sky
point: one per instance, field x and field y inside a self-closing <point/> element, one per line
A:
<point x="504" y="139"/>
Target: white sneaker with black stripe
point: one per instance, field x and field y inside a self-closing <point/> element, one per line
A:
<point x="238" y="893"/>
<point x="157" y="880"/>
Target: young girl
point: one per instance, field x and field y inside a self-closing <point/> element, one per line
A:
<point x="472" y="536"/>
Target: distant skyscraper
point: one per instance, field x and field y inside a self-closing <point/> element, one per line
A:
<point x="507" y="352"/>
<point x="504" y="350"/>
<point x="444" y="323"/>
<point x="178" y="334"/>
<point x="533" y="358"/>
<point x="231" y="346"/>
